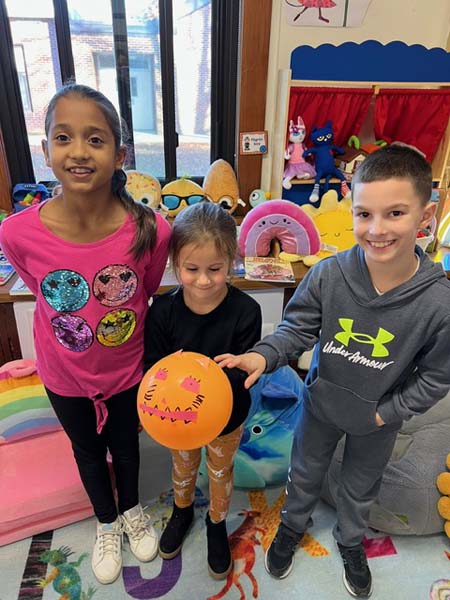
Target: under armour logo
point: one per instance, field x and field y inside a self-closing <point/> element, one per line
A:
<point x="378" y="343"/>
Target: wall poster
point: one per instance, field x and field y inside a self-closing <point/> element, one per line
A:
<point x="321" y="13"/>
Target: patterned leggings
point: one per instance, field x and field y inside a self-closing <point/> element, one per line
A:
<point x="219" y="461"/>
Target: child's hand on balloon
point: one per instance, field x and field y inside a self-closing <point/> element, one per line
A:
<point x="252" y="363"/>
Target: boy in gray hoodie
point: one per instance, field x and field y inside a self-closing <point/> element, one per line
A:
<point x="378" y="318"/>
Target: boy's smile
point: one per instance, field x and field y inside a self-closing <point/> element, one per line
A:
<point x="387" y="215"/>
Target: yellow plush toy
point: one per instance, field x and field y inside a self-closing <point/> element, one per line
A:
<point x="443" y="485"/>
<point x="144" y="188"/>
<point x="334" y="222"/>
<point x="180" y="193"/>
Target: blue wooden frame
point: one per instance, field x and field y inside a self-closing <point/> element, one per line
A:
<point x="371" y="61"/>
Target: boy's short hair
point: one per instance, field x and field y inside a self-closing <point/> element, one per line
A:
<point x="397" y="161"/>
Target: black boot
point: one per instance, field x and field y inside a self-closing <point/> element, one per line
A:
<point x="219" y="555"/>
<point x="175" y="531"/>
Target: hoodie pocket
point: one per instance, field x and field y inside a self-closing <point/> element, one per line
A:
<point x="341" y="407"/>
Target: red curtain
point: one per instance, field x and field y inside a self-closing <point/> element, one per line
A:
<point x="416" y="117"/>
<point x="346" y="108"/>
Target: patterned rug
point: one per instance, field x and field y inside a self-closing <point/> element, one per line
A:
<point x="56" y="564"/>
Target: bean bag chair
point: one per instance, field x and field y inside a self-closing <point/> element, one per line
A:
<point x="264" y="453"/>
<point x="408" y="498"/>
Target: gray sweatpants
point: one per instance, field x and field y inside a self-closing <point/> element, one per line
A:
<point x="364" y="460"/>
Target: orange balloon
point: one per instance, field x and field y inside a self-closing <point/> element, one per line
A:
<point x="184" y="400"/>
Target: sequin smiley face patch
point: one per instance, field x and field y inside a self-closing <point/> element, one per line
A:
<point x="114" y="285"/>
<point x="65" y="290"/>
<point x="72" y="332"/>
<point x="116" y="327"/>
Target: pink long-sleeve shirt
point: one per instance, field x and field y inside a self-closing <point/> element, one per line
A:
<point x="91" y="302"/>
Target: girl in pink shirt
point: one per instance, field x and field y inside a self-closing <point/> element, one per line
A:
<point x="93" y="257"/>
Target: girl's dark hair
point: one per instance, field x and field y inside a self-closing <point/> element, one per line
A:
<point x="397" y="161"/>
<point x="144" y="217"/>
<point x="202" y="223"/>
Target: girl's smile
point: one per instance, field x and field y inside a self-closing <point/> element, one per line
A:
<point x="80" y="172"/>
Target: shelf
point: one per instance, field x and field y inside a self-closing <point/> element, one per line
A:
<point x="312" y="181"/>
<point x="369" y="64"/>
<point x="335" y="180"/>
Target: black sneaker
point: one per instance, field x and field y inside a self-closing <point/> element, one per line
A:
<point x="279" y="558"/>
<point x="357" y="577"/>
<point x="176" y="529"/>
<point x="219" y="554"/>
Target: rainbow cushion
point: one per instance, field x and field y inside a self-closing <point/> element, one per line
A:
<point x="282" y="220"/>
<point x="25" y="409"/>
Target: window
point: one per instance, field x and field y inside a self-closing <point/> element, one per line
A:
<point x="23" y="77"/>
<point x="163" y="63"/>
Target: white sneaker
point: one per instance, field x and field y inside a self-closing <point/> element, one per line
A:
<point x="141" y="535"/>
<point x="107" y="553"/>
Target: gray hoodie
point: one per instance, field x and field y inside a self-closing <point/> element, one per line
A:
<point x="388" y="353"/>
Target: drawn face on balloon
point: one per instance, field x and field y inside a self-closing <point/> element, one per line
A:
<point x="184" y="400"/>
<point x="65" y="290"/>
<point x="114" y="285"/>
<point x="72" y="332"/>
<point x="188" y="413"/>
<point x="116" y="327"/>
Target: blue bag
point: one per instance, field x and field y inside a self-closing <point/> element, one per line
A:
<point x="28" y="194"/>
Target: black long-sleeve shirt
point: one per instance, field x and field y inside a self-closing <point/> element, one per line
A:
<point x="233" y="326"/>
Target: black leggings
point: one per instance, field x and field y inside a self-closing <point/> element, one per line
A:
<point x="119" y="436"/>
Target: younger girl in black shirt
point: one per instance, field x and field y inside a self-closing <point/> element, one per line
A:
<point x="204" y="314"/>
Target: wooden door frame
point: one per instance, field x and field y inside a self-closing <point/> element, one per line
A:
<point x="5" y="179"/>
<point x="255" y="39"/>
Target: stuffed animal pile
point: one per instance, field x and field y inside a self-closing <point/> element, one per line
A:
<point x="443" y="506"/>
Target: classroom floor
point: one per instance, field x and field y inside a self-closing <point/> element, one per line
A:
<point x="403" y="567"/>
